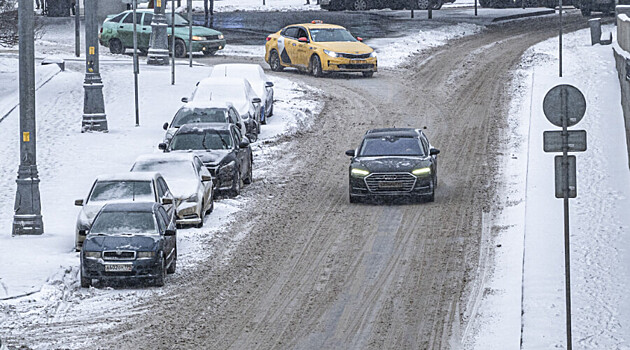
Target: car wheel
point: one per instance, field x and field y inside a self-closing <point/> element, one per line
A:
<point x="437" y="5"/>
<point x="270" y="111"/>
<point x="85" y="282"/>
<point x="173" y="266"/>
<point x="316" y="66"/>
<point x="249" y="178"/>
<point x="116" y="47"/>
<point x="201" y="215"/>
<point x="211" y="205"/>
<point x="359" y="5"/>
<point x="431" y="197"/>
<point x="253" y="136"/>
<point x="209" y="52"/>
<point x="368" y="74"/>
<point x="423" y="4"/>
<point x="180" y="48"/>
<point x="274" y="61"/>
<point x="237" y="184"/>
<point x="159" y="280"/>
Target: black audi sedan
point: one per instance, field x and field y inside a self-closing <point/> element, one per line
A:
<point x="393" y="162"/>
<point x="223" y="150"/>
<point x="129" y="241"/>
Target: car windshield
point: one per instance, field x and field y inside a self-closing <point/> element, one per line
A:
<point x="122" y="190"/>
<point x="211" y="139"/>
<point x="220" y="92"/>
<point x="391" y="146"/>
<point x="331" y="34"/>
<point x="170" y="169"/>
<point x="179" y="20"/>
<point x="199" y="115"/>
<point x="121" y="222"/>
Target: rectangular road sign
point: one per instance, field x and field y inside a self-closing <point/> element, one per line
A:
<point x="560" y="180"/>
<point x="552" y="141"/>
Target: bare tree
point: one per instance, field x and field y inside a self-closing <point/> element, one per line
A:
<point x="8" y="23"/>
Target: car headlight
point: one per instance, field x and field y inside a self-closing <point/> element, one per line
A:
<point x="198" y="38"/>
<point x="93" y="255"/>
<point x="421" y="171"/>
<point x="356" y="172"/>
<point x="221" y="36"/>
<point x="228" y="168"/>
<point x="143" y="255"/>
<point x="331" y="53"/>
<point x="373" y="54"/>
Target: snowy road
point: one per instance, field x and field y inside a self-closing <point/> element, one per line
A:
<point x="314" y="272"/>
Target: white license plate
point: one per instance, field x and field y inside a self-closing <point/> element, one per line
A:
<point x="359" y="61"/>
<point x="118" y="267"/>
<point x="392" y="184"/>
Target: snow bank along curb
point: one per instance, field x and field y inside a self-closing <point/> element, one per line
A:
<point x="621" y="51"/>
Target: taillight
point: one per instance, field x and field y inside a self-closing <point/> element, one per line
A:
<point x="268" y="38"/>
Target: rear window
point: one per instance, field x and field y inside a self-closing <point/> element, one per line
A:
<point x="120" y="222"/>
<point x="199" y="115"/>
<point x="213" y="139"/>
<point x="122" y="190"/>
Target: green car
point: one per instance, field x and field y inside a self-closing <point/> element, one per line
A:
<point x="117" y="34"/>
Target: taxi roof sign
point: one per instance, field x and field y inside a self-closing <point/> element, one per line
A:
<point x="317" y="21"/>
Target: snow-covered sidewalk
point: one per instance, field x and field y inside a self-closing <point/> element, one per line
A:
<point x="528" y="248"/>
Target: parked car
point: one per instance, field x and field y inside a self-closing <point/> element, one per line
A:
<point x="223" y="150"/>
<point x="130" y="241"/>
<point x="237" y="91"/>
<point x="319" y="48"/>
<point x="123" y="187"/>
<point x="210" y="112"/>
<point x="117" y="34"/>
<point x="190" y="182"/>
<point x="256" y="78"/>
<point x="393" y="162"/>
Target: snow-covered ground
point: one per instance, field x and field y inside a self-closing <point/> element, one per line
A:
<point x="528" y="249"/>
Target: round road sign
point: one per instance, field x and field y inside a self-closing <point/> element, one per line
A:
<point x="564" y="101"/>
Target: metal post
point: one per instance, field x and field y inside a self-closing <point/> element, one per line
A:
<point x="190" y="33"/>
<point x="475" y="7"/>
<point x="77" y="29"/>
<point x="158" y="48"/>
<point x="136" y="68"/>
<point x="560" y="37"/>
<point x="94" y="118"/>
<point x="430" y="13"/>
<point x="565" y="173"/>
<point x="173" y="47"/>
<point x="28" y="218"/>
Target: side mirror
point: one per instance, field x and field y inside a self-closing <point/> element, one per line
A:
<point x="206" y="178"/>
<point x="350" y="152"/>
<point x="162" y="146"/>
<point x="268" y="84"/>
<point x="165" y="126"/>
<point x="78" y="202"/>
<point x="256" y="100"/>
<point x="243" y="144"/>
<point x="170" y="232"/>
<point x="434" y="151"/>
<point x="185" y="99"/>
<point x="82" y="232"/>
<point x="303" y="39"/>
<point x="360" y="39"/>
<point x="166" y="200"/>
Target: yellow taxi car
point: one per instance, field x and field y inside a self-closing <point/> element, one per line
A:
<point x="319" y="48"/>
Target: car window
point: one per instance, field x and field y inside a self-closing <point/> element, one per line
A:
<point x="148" y="17"/>
<point x="164" y="215"/>
<point x="331" y="34"/>
<point x="290" y="32"/>
<point x="117" y="222"/>
<point x="302" y="33"/>
<point x="160" y="190"/>
<point x="122" y="190"/>
<point x="425" y="145"/>
<point x="198" y="164"/>
<point x="160" y="222"/>
<point x="238" y="134"/>
<point x="234" y="115"/>
<point x="391" y="146"/>
<point x="128" y="19"/>
<point x="117" y="18"/>
<point x="198" y="115"/>
<point x="237" y="137"/>
<point x="162" y="184"/>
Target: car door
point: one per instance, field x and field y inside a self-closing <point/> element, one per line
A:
<point x="170" y="242"/>
<point x="287" y="45"/>
<point x="237" y="118"/>
<point x="144" y="32"/>
<point x="302" y="48"/>
<point x="125" y="30"/>
<point x="207" y="185"/>
<point x="242" y="155"/>
<point x="165" y="192"/>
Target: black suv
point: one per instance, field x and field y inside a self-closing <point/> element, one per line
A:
<point x="393" y="162"/>
<point x="222" y="149"/>
<point x="129" y="241"/>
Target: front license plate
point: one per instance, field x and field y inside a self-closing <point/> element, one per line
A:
<point x="118" y="267"/>
<point x="359" y="62"/>
<point x="391" y="184"/>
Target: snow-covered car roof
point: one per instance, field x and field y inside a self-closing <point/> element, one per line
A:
<point x="129" y="176"/>
<point x="249" y="71"/>
<point x="157" y="157"/>
<point x="207" y="104"/>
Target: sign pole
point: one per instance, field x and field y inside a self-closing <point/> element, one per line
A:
<point x="560" y="37"/>
<point x="173" y="42"/>
<point x="565" y="173"/>
<point x="77" y="29"/>
<point x="135" y="61"/>
<point x="190" y="24"/>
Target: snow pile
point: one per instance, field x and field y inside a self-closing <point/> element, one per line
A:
<point x="532" y="221"/>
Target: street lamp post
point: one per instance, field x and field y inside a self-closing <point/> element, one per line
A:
<point x="28" y="217"/>
<point x="158" y="48"/>
<point x="94" y="118"/>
